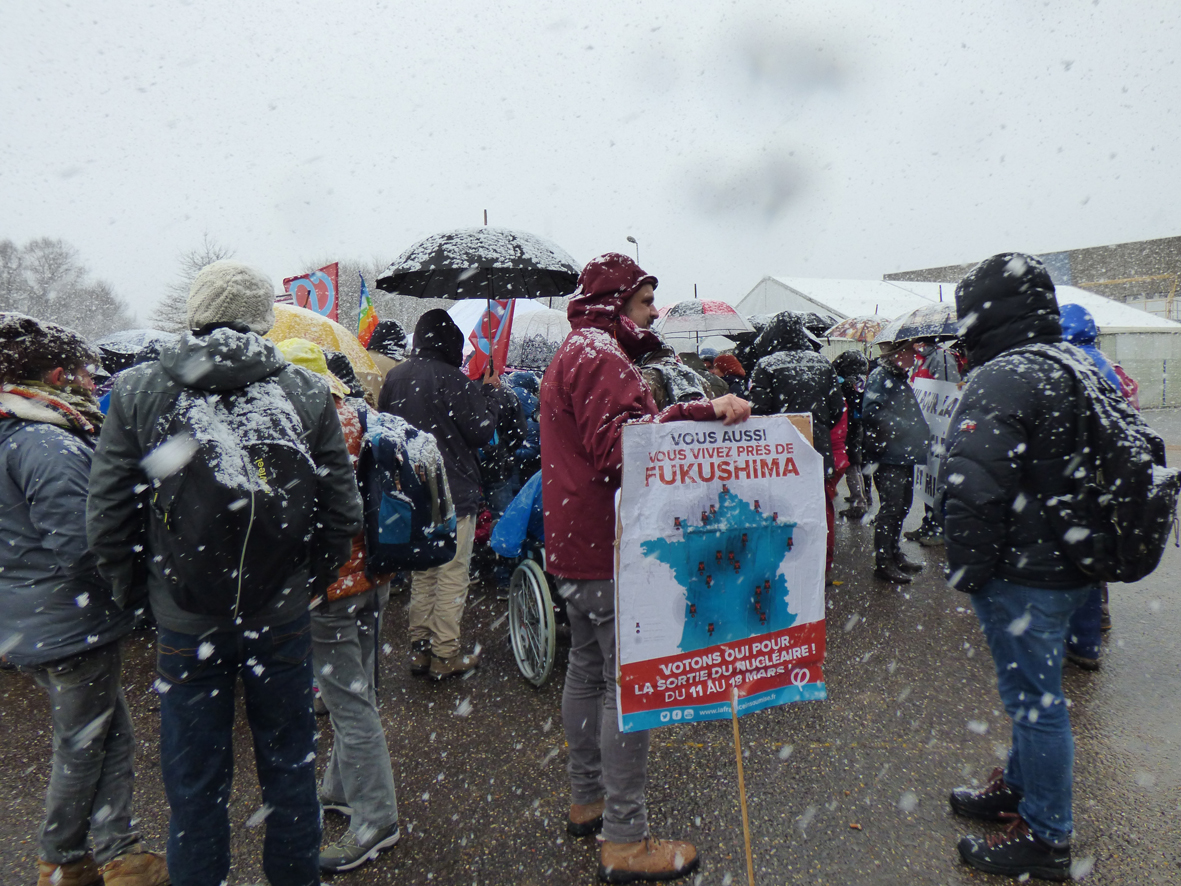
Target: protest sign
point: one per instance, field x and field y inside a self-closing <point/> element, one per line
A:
<point x="315" y="291"/>
<point x="938" y="400"/>
<point x="720" y="574"/>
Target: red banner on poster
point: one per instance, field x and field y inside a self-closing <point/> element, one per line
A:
<point x="316" y="291"/>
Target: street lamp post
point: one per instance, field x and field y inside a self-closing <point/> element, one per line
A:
<point x="632" y="240"/>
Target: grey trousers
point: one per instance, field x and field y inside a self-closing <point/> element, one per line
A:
<point x="603" y="761"/>
<point x="359" y="773"/>
<point x="93" y="754"/>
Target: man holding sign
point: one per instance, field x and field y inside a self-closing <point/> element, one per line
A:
<point x="591" y="390"/>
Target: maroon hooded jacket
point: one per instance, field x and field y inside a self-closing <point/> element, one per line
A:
<point x="590" y="391"/>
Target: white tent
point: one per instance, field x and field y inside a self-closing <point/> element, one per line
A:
<point x="891" y="298"/>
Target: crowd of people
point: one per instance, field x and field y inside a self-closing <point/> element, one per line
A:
<point x="112" y="511"/>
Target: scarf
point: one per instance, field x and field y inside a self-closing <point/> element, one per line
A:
<point x="73" y="408"/>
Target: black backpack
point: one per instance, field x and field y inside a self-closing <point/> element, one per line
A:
<point x="409" y="516"/>
<point x="1115" y="525"/>
<point x="233" y="498"/>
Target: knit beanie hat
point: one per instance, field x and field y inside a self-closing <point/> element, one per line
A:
<point x="228" y="292"/>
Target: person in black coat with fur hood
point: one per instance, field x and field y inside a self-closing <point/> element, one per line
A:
<point x="1010" y="443"/>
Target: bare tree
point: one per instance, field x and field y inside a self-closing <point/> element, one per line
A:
<point x="46" y="279"/>
<point x="171" y="311"/>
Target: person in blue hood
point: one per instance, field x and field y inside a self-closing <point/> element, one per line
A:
<point x="1083" y="646"/>
<point x="1078" y="328"/>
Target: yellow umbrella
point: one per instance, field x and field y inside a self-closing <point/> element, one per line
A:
<point x="293" y="322"/>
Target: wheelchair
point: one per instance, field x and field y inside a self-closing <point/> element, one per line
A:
<point x="535" y="611"/>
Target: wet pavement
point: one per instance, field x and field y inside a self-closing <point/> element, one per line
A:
<point x="847" y="791"/>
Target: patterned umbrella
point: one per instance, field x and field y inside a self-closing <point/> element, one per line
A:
<point x="862" y="329"/>
<point x="933" y="321"/>
<point x="702" y="317"/>
<point x="489" y="263"/>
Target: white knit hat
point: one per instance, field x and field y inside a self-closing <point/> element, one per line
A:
<point x="228" y="291"/>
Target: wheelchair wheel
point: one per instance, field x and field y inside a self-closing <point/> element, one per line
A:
<point x="531" y="622"/>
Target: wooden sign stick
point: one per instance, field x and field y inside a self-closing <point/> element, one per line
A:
<point x="750" y="864"/>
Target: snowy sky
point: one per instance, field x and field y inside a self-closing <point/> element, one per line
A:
<point x="732" y="140"/>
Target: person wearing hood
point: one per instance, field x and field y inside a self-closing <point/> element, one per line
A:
<point x="851" y="368"/>
<point x="431" y="392"/>
<point x="590" y="391"/>
<point x="227" y="390"/>
<point x="1088" y="623"/>
<point x="896" y="439"/>
<point x="1010" y="444"/>
<point x="790" y="376"/>
<point x="61" y="622"/>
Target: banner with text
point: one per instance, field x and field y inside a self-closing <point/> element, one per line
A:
<point x="938" y="400"/>
<point x="720" y="579"/>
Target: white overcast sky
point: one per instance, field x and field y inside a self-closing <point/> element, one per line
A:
<point x="732" y="140"/>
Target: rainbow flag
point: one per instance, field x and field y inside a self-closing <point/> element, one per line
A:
<point x="366" y="317"/>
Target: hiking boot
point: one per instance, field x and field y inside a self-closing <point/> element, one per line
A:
<point x="853" y="512"/>
<point x="136" y="869"/>
<point x="1018" y="852"/>
<point x="890" y="572"/>
<point x="988" y="803"/>
<point x="83" y="872"/>
<point x="931" y="541"/>
<point x="456" y="664"/>
<point x="420" y="657"/>
<point x="585" y="818"/>
<point x="352" y="852"/>
<point x="908" y="566"/>
<point x="913" y="534"/>
<point x="1082" y="661"/>
<point x="649" y="859"/>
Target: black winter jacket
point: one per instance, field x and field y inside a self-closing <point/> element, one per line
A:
<point x="431" y="393"/>
<point x="896" y="432"/>
<point x="791" y="377"/>
<point x="1013" y="435"/>
<point x="117" y="512"/>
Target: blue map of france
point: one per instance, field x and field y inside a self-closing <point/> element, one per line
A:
<point x="728" y="561"/>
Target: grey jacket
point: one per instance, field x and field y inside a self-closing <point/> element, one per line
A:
<point x="53" y="604"/>
<point x="126" y="540"/>
<point x="896" y="432"/>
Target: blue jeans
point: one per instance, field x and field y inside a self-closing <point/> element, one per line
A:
<point x="1026" y="631"/>
<point x="1086" y="634"/>
<point x="199" y="674"/>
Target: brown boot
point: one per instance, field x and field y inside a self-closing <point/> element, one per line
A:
<point x="420" y="657"/>
<point x="83" y="872"/>
<point x="649" y="859"/>
<point x="456" y="664"/>
<point x="136" y="869"/>
<point x="585" y="818"/>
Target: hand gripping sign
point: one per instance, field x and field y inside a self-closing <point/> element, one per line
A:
<point x="720" y="576"/>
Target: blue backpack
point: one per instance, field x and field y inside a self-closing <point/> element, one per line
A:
<point x="409" y="516"/>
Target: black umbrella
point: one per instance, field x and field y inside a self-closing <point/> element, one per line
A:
<point x="488" y="263"/>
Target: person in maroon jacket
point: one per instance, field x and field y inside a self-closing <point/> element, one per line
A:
<point x="590" y="391"/>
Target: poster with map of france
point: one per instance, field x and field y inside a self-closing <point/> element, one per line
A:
<point x="720" y="580"/>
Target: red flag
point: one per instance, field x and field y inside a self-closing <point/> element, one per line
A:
<point x="316" y="291"/>
<point x="490" y="337"/>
